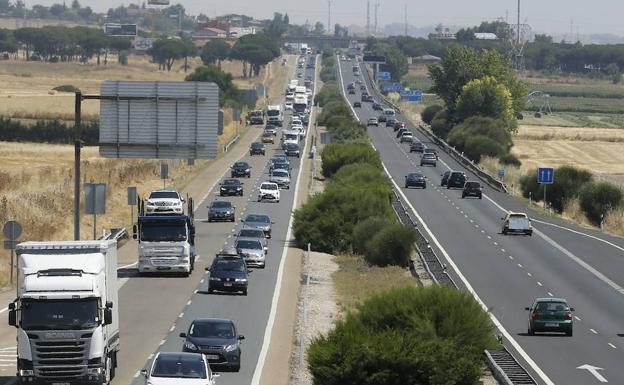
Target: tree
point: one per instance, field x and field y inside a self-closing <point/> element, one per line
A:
<point x="119" y="45"/>
<point x="166" y="51"/>
<point x="486" y="97"/>
<point x="75" y="5"/>
<point x="429" y="113"/>
<point x="614" y="72"/>
<point x="319" y="29"/>
<point x="254" y="51"/>
<point x="5" y="5"/>
<point x="215" y="51"/>
<point x="57" y="10"/>
<point x="465" y="34"/>
<point x="481" y="136"/>
<point x="598" y="199"/>
<point x="396" y="62"/>
<point x="27" y="36"/>
<point x="425" y="336"/>
<point x="277" y="27"/>
<point x="229" y="94"/>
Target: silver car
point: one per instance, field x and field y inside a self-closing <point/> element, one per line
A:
<point x="252" y="251"/>
<point x="281" y="177"/>
<point x="259" y="221"/>
<point x="253" y="234"/>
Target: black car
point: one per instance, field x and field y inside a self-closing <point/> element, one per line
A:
<point x="352" y="91"/>
<point x="292" y="149"/>
<point x="390" y="122"/>
<point x="415" y="179"/>
<point x="364" y="96"/>
<point x="445" y="178"/>
<point x="381" y="118"/>
<point x="231" y="187"/>
<point x="257" y="148"/>
<point x="241" y="169"/>
<point x="362" y="87"/>
<point x="377" y="107"/>
<point x="217" y="339"/>
<point x="472" y="189"/>
<point x="256" y="117"/>
<point x="457" y="179"/>
<point x="357" y="104"/>
<point x="417" y="147"/>
<point x="221" y="211"/>
<point x="228" y="273"/>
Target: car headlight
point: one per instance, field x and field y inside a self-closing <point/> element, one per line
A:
<point x="241" y="279"/>
<point x="214" y="279"/>
<point x="239" y="188"/>
<point x="189" y="345"/>
<point x="247" y="170"/>
<point x="230" y="348"/>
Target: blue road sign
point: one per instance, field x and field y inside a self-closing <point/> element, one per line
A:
<point x="383" y="75"/>
<point x="501" y="173"/>
<point x="392" y="87"/>
<point x="545" y="175"/>
<point x="411" y="96"/>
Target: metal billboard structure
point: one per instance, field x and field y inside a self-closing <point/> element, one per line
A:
<point x="159" y="120"/>
<point x="113" y="29"/>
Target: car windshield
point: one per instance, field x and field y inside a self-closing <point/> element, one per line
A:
<point x="179" y="366"/>
<point x="241" y="165"/>
<point x="257" y="218"/>
<point x="429" y="156"/>
<point x="163" y="231"/>
<point x="516" y="222"/>
<point x="212" y="330"/>
<point x="267" y="186"/>
<point x="251" y="233"/>
<point x="231" y="182"/>
<point x="257" y="145"/>
<point x="415" y="175"/>
<point x="66" y="314"/>
<point x="280" y="173"/>
<point x="552" y="306"/>
<point x="221" y="205"/>
<point x="292" y="146"/>
<point x="164" y="194"/>
<point x="254" y="245"/>
<point x="228" y="264"/>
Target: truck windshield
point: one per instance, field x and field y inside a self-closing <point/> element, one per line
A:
<point x="163" y="232"/>
<point x="66" y="314"/>
<point x="273" y="112"/>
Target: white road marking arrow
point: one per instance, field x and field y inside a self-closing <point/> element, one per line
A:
<point x="594" y="371"/>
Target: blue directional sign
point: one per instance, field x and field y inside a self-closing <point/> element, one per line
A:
<point x="545" y="175"/>
<point x="383" y="75"/>
<point x="392" y="87"/>
<point x="411" y="96"/>
<point x="501" y="173"/>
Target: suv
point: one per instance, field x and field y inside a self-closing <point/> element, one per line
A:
<point x="291" y="149"/>
<point x="429" y="159"/>
<point x="231" y="187"/>
<point x="417" y="147"/>
<point x="390" y="122"/>
<point x="472" y="189"/>
<point x="415" y="179"/>
<point x="164" y="202"/>
<point x="550" y="315"/>
<point x="241" y="169"/>
<point x="377" y="107"/>
<point x="431" y="151"/>
<point x="221" y="211"/>
<point x="382" y="118"/>
<point x="357" y="105"/>
<point x="401" y="131"/>
<point x="217" y="340"/>
<point x="398" y="125"/>
<point x="228" y="273"/>
<point x="269" y="191"/>
<point x="456" y="179"/>
<point x="257" y="148"/>
<point x="255" y="117"/>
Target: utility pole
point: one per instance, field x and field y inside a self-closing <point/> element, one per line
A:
<point x="518" y="26"/>
<point x="329" y="17"/>
<point x="376" y="10"/>
<point x="368" y="18"/>
<point x="405" y="15"/>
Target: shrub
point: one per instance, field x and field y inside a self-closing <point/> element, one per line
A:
<point x="330" y="92"/>
<point x="480" y="145"/>
<point x="441" y="125"/>
<point x="478" y="136"/>
<point x="66" y="88"/>
<point x="599" y="198"/>
<point x="510" y="160"/>
<point x="530" y="187"/>
<point x="430" y="112"/>
<point x="337" y="154"/>
<point x="363" y="232"/>
<point x="123" y="58"/>
<point x="427" y="336"/>
<point x="390" y="246"/>
<point x="568" y="182"/>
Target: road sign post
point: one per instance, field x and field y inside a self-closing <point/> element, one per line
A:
<point x="164" y="173"/>
<point x="132" y="201"/>
<point x="95" y="202"/>
<point x="545" y="176"/>
<point x="12" y="231"/>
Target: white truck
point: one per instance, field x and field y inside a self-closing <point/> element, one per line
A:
<point x="274" y="115"/>
<point x="66" y="312"/>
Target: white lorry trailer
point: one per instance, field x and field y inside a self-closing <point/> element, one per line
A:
<point x="274" y="115"/>
<point x="66" y="312"/>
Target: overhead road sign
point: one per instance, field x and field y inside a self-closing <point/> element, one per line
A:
<point x="120" y="29"/>
<point x="158" y="2"/>
<point x="159" y="120"/>
<point x="374" y="59"/>
<point x="381" y="75"/>
<point x="545" y="175"/>
<point x="391" y="87"/>
<point x="411" y="96"/>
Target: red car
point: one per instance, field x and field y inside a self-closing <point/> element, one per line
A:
<point x="398" y="125"/>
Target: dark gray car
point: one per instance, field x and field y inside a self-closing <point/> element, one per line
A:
<point x="259" y="221"/>
<point x="221" y="211"/>
<point x="217" y="339"/>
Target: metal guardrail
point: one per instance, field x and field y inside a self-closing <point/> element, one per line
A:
<point x="506" y="368"/>
<point x="227" y="146"/>
<point x="116" y="234"/>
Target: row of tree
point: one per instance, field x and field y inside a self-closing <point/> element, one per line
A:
<point x="61" y="43"/>
<point x="74" y="12"/>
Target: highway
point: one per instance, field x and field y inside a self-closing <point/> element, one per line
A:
<point x="507" y="272"/>
<point x="155" y="309"/>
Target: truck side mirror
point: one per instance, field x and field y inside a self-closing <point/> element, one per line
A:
<point x="144" y="372"/>
<point x="135" y="231"/>
<point x="109" y="304"/>
<point x="108" y="316"/>
<point x="13" y="317"/>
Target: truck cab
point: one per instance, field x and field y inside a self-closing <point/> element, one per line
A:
<point x="66" y="312"/>
<point x="274" y="115"/>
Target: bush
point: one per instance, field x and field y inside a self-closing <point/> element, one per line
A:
<point x="123" y="58"/>
<point x="478" y="136"/>
<point x="568" y="182"/>
<point x="430" y="112"/>
<point x="337" y="154"/>
<point x="363" y="231"/>
<point x="391" y="246"/>
<point x="599" y="199"/>
<point x="510" y="160"/>
<point x="66" y="88"/>
<point x="427" y="336"/>
<point x="330" y="92"/>
<point x="474" y="147"/>
<point x="441" y="125"/>
<point x="53" y="131"/>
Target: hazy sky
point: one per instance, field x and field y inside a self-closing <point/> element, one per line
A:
<point x="554" y="16"/>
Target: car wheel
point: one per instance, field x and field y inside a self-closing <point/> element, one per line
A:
<point x="235" y="368"/>
<point x="569" y="333"/>
<point x="425" y="186"/>
<point x="504" y="231"/>
<point x="210" y="291"/>
<point x="480" y="197"/>
<point x="245" y="291"/>
<point x="406" y="186"/>
<point x="248" y="175"/>
<point x="530" y="332"/>
<point x="209" y="219"/>
<point x="463" y="196"/>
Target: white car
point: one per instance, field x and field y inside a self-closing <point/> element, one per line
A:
<point x="179" y="369"/>
<point x="288" y="106"/>
<point x="296" y="122"/>
<point x="269" y="191"/>
<point x="164" y="202"/>
<point x="290" y="96"/>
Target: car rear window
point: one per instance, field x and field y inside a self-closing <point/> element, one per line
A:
<point x="473" y="184"/>
<point x="552" y="306"/>
<point x="221" y="204"/>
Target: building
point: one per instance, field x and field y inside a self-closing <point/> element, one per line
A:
<point x="442" y="33"/>
<point x="485" y="36"/>
<point x="203" y="36"/>
<point x="424" y="59"/>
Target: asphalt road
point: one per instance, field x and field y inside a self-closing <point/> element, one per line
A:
<point x="154" y="310"/>
<point x="508" y="272"/>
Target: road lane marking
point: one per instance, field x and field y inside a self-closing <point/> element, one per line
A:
<point x="520" y="265"/>
<point x="550" y="294"/>
<point x="529" y="274"/>
<point x="593" y="331"/>
<point x="613" y="346"/>
<point x="577" y="318"/>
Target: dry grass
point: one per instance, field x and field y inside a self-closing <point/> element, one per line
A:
<point x="15" y="23"/>
<point x="355" y="281"/>
<point x="570" y="133"/>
